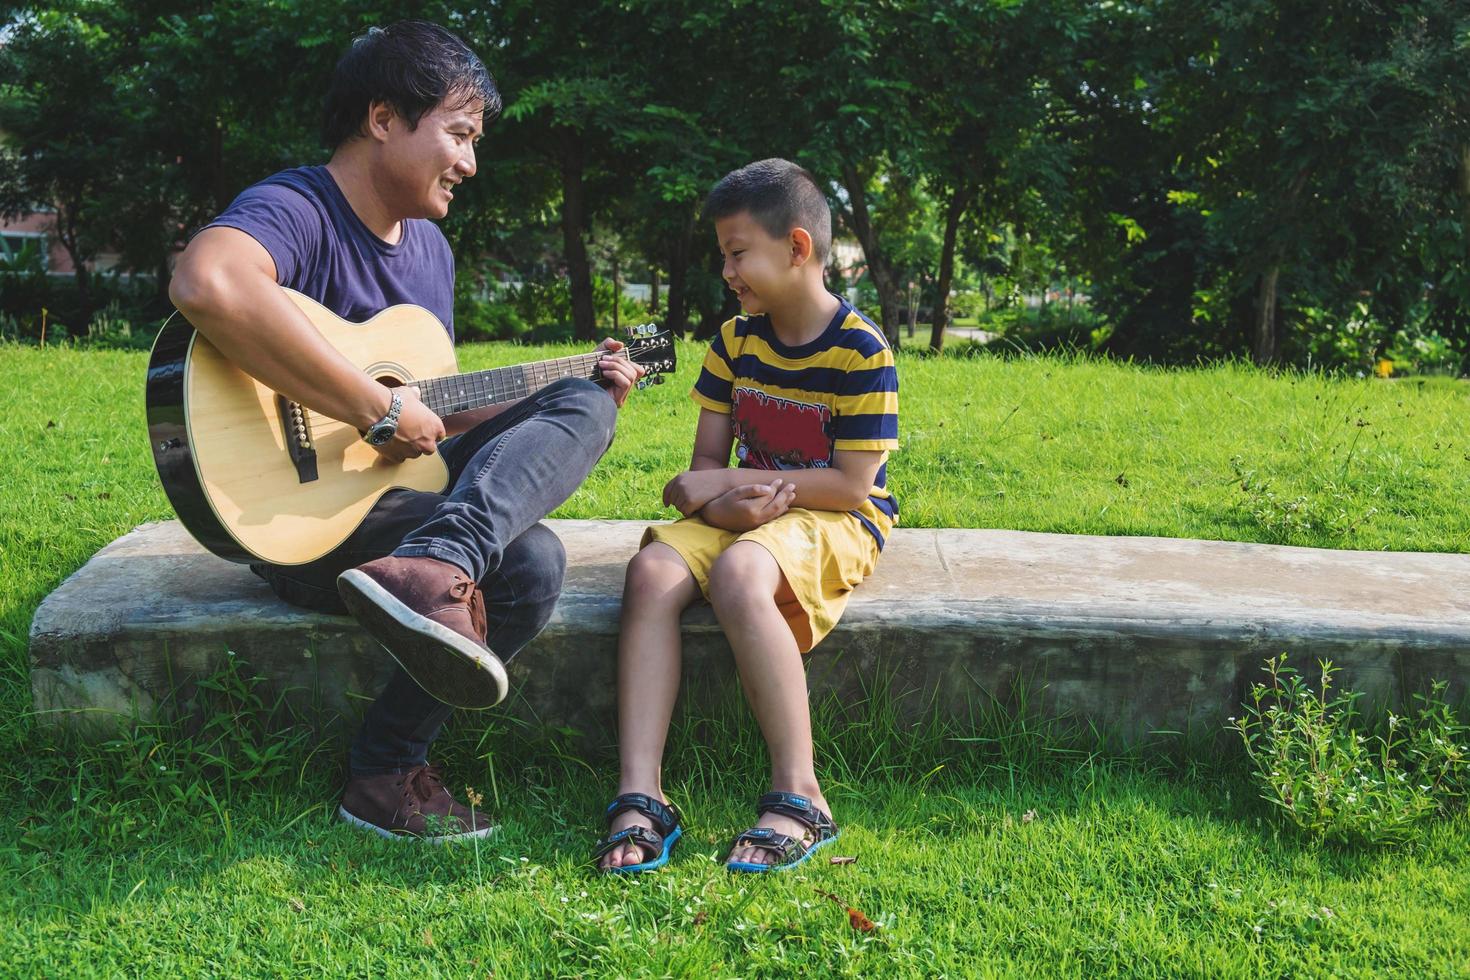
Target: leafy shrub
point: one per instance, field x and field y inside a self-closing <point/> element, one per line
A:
<point x="535" y="312"/>
<point x="118" y="313"/>
<point x="1052" y="327"/>
<point x="1333" y="781"/>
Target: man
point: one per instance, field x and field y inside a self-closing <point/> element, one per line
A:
<point x="454" y="584"/>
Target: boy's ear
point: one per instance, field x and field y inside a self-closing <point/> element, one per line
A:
<point x="801" y="246"/>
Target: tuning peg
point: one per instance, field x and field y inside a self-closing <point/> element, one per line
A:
<point x="658" y="379"/>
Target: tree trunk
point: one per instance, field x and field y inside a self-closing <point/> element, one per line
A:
<point x="653" y="290"/>
<point x="1465" y="185"/>
<point x="889" y="301"/>
<point x="68" y="232"/>
<point x="913" y="307"/>
<point x="958" y="201"/>
<point x="573" y="222"/>
<point x="1265" y="344"/>
<point x="1265" y="341"/>
<point x="676" y="317"/>
<point x="617" y="295"/>
<point x="709" y="325"/>
<point x="161" y="282"/>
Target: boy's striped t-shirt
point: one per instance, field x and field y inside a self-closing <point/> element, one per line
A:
<point x="793" y="407"/>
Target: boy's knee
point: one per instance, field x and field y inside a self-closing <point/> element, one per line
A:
<point x="654" y="571"/>
<point x="745" y="569"/>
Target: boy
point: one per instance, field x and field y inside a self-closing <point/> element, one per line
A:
<point x="804" y="386"/>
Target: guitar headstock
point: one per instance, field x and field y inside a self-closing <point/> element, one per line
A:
<point x="653" y="349"/>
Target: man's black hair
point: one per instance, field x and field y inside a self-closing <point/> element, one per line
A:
<point x="780" y="196"/>
<point x="411" y="65"/>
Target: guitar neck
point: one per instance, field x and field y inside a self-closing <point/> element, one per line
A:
<point x="479" y="389"/>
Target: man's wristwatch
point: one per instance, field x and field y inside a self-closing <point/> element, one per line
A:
<point x="385" y="428"/>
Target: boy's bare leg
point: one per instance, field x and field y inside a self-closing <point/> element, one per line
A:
<point x="657" y="588"/>
<point x="746" y="586"/>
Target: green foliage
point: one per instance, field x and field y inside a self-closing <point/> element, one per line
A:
<point x="1054" y="327"/>
<point x="116" y="312"/>
<point x="1333" y="781"/>
<point x="1174" y="157"/>
<point x="536" y="312"/>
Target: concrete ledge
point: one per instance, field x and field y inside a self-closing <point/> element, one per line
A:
<point x="1134" y="635"/>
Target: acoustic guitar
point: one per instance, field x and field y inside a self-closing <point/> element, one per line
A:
<point x="256" y="477"/>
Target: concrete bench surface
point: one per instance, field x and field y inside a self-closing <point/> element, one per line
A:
<point x="1133" y="635"/>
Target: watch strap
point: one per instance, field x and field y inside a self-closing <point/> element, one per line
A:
<point x="375" y="434"/>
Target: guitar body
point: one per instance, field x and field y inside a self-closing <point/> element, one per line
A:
<point x="221" y="440"/>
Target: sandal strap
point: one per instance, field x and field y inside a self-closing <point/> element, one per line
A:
<point x="665" y="816"/>
<point x="785" y="848"/>
<point x="640" y="836"/>
<point x="798" y="808"/>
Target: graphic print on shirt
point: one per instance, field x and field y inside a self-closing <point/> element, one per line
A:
<point x="776" y="433"/>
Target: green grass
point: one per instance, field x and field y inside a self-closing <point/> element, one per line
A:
<point x="139" y="856"/>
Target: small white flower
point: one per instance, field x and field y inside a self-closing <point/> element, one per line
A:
<point x="564" y="900"/>
<point x="525" y="859"/>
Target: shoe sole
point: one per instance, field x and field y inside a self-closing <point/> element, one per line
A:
<point x="656" y="863"/>
<point x="746" y="867"/>
<point x="450" y="667"/>
<point x="362" y="824"/>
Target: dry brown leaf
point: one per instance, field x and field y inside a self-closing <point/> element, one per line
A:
<point x="297" y="905"/>
<point x="843" y="859"/>
<point x="1028" y="816"/>
<point x="855" y="918"/>
<point x="428" y="936"/>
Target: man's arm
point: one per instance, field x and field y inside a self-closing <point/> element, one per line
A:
<point x="225" y="284"/>
<point x="618" y="376"/>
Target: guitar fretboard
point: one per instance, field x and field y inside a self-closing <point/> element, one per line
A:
<point x="467" y="392"/>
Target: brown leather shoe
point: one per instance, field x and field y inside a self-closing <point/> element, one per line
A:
<point x="429" y="616"/>
<point x="411" y="805"/>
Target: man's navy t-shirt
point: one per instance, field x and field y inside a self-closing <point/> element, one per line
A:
<point x="322" y="249"/>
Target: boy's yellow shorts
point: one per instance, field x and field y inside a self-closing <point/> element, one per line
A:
<point x="824" y="554"/>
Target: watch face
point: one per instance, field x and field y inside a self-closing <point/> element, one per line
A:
<point x="379" y="434"/>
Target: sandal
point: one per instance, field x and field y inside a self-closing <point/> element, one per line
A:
<point x="657" y="844"/>
<point x="788" y="850"/>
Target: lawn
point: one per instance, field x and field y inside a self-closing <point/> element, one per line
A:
<point x="1010" y="849"/>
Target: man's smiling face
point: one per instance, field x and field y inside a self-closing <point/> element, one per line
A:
<point x="423" y="165"/>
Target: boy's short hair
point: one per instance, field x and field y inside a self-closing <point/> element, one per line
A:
<point x="411" y="65"/>
<point x="780" y="196"/>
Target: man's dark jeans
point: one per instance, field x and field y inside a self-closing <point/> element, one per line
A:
<point x="505" y="475"/>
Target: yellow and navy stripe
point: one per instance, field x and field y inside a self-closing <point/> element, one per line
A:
<point x="849" y="368"/>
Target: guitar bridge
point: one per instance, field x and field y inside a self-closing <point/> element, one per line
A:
<point x="299" y="444"/>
